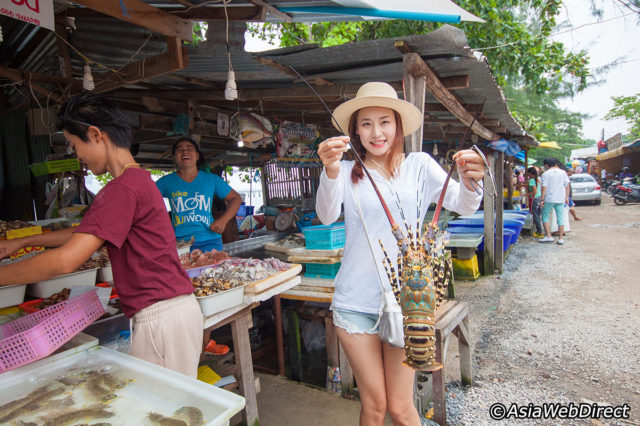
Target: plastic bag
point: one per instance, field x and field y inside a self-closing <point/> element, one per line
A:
<point x="313" y="335"/>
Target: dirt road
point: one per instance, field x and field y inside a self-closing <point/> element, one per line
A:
<point x="562" y="323"/>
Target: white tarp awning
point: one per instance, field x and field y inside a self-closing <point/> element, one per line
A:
<point x="445" y="7"/>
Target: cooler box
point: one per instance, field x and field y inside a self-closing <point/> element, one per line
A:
<point x="508" y="235"/>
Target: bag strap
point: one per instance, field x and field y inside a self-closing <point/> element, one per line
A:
<point x="364" y="225"/>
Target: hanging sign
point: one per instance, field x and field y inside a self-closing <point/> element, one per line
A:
<point x="36" y="12"/>
<point x="298" y="145"/>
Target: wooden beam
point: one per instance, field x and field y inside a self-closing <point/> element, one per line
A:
<point x="17" y="75"/>
<point x="164" y="106"/>
<point x="435" y="107"/>
<point x="455" y="82"/>
<point x="275" y="12"/>
<point x="455" y="122"/>
<point x="416" y="66"/>
<point x="143" y="15"/>
<point x="196" y="81"/>
<point x="415" y="93"/>
<point x="32" y="76"/>
<point x="63" y="51"/>
<point x="288" y="71"/>
<point x="165" y="124"/>
<point x="174" y="59"/>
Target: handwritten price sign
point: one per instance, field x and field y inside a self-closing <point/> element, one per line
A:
<point x="36" y="12"/>
<point x="24" y="232"/>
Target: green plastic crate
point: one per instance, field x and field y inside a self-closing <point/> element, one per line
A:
<point x="321" y="270"/>
<point x="55" y="166"/>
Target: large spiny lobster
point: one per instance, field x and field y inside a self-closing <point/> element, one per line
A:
<point x="422" y="275"/>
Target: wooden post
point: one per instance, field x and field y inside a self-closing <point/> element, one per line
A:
<point x="509" y="172"/>
<point x="464" y="348"/>
<point x="279" y="338"/>
<point x="415" y="87"/>
<point x="346" y="373"/>
<point x="439" y="408"/>
<point x="499" y="255"/>
<point x="244" y="363"/>
<point x="333" y="351"/>
<point x="489" y="217"/>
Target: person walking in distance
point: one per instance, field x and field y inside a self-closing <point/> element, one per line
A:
<point x="555" y="195"/>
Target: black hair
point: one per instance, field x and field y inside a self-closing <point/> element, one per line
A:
<point x="200" y="162"/>
<point x="551" y="162"/>
<point x="89" y="109"/>
<point x="533" y="172"/>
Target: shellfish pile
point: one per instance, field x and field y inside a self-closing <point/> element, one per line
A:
<point x="235" y="272"/>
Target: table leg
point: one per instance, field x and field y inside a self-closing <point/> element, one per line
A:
<point x="279" y="339"/>
<point x="244" y="363"/>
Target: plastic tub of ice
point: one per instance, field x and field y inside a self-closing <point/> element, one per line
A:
<point x="12" y="295"/>
<point x="137" y="389"/>
<point x="48" y="287"/>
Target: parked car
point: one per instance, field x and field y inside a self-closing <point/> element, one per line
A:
<point x="585" y="188"/>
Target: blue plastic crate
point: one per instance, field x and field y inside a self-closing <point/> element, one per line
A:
<point x="321" y="270"/>
<point x="324" y="237"/>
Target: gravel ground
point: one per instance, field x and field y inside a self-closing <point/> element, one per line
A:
<point x="559" y="325"/>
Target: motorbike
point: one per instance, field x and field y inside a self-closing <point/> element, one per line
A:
<point x="611" y="186"/>
<point x="626" y="194"/>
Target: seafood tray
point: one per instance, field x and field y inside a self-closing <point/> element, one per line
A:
<point x="12" y="295"/>
<point x="267" y="283"/>
<point x="39" y="334"/>
<point x="217" y="302"/>
<point x="102" y="385"/>
<point x="48" y="287"/>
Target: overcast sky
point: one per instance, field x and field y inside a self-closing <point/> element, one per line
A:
<point x="605" y="41"/>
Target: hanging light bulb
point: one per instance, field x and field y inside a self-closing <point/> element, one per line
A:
<point x="231" y="91"/>
<point x="240" y="143"/>
<point x="87" y="79"/>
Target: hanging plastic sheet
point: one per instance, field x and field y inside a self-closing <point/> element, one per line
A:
<point x="508" y="147"/>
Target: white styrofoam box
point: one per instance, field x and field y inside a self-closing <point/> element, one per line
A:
<point x="12" y="295"/>
<point x="183" y="250"/>
<point x="105" y="274"/>
<point x="218" y="302"/>
<point x="54" y="285"/>
<point x="149" y="388"/>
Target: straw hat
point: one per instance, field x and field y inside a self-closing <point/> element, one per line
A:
<point x="381" y="95"/>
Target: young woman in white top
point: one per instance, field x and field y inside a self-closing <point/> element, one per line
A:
<point x="377" y="122"/>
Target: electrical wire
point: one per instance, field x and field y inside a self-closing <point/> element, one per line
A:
<point x="553" y="35"/>
<point x="198" y="5"/>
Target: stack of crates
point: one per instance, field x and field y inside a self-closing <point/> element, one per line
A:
<point x="323" y="237"/>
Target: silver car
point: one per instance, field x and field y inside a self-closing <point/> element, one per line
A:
<point x="584" y="188"/>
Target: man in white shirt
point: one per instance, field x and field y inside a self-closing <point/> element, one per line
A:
<point x="555" y="195"/>
<point x="603" y="176"/>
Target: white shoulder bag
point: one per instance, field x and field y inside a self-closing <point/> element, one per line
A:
<point x="390" y="324"/>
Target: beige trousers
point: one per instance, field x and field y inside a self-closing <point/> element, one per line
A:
<point x="169" y="333"/>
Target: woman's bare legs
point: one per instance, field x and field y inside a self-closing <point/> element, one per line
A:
<point x="364" y="352"/>
<point x="399" y="380"/>
<point x="384" y="383"/>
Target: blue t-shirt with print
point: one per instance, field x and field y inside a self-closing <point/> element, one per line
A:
<point x="191" y="204"/>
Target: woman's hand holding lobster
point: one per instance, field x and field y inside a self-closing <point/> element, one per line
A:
<point x="330" y="152"/>
<point x="470" y="166"/>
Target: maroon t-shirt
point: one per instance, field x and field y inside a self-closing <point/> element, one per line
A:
<point x="130" y="215"/>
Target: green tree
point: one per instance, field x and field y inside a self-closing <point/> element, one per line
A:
<point x="516" y="41"/>
<point x="628" y="108"/>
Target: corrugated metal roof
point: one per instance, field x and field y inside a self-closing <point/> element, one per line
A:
<point x="114" y="43"/>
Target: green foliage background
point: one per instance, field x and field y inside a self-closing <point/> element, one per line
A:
<point x="534" y="70"/>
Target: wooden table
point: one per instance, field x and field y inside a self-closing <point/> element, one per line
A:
<point x="241" y="321"/>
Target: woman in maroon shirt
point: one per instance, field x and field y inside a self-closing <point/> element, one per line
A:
<point x="129" y="216"/>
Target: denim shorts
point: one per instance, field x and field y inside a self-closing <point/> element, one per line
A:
<point x="355" y="322"/>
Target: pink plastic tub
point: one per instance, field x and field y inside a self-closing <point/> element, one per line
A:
<point x="39" y="334"/>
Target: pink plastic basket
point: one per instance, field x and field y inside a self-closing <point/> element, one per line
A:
<point x="39" y="334"/>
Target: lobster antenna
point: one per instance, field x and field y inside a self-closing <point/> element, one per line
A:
<point x="436" y="214"/>
<point x="393" y="224"/>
